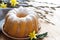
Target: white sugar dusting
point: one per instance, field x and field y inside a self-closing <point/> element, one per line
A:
<point x="13" y="15"/>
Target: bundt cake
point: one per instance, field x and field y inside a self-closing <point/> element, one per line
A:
<point x="19" y="22"/>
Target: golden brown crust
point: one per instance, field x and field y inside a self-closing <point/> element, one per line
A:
<point x="21" y="28"/>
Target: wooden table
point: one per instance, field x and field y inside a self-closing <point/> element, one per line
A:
<point x="3" y="37"/>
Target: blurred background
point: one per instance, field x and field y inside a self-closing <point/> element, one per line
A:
<point x="49" y="1"/>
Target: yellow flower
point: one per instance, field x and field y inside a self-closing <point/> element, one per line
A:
<point x="13" y="2"/>
<point x="3" y="5"/>
<point x="32" y="35"/>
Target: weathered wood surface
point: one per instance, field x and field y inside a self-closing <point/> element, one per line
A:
<point x="53" y="30"/>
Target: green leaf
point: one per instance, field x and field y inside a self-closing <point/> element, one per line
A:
<point x="42" y="35"/>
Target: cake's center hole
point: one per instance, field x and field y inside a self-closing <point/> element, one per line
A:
<point x="20" y="15"/>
